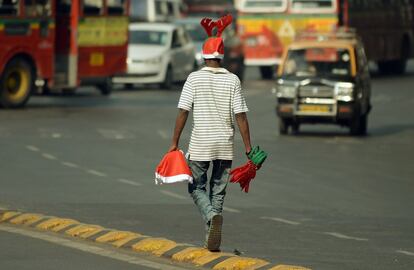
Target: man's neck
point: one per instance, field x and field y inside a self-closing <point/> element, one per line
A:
<point x="213" y="64"/>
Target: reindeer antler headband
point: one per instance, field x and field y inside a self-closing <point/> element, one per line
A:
<point x="221" y="24"/>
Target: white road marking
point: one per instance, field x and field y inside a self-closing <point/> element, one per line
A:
<point x="290" y="222"/>
<point x="231" y="210"/>
<point x="343" y="236"/>
<point x="32" y="148"/>
<point x="89" y="248"/>
<point x="129" y="182"/>
<point x="163" y="134"/>
<point x="97" y="173"/>
<point x="405" y="252"/>
<point x="115" y="134"/>
<point x="172" y="194"/>
<point x="49" y="156"/>
<point x="56" y="135"/>
<point x="69" y="164"/>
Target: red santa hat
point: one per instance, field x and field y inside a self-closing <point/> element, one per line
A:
<point x="213" y="47"/>
<point x="173" y="168"/>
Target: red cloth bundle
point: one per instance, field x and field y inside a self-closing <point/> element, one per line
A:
<point x="243" y="175"/>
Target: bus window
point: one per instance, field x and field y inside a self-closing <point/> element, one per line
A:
<point x="313" y="6"/>
<point x="9" y="7"/>
<point x="37" y="8"/>
<point x="139" y="10"/>
<point x="92" y="7"/>
<point x="116" y="7"/>
<point x="264" y="5"/>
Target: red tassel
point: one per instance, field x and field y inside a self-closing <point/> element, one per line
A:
<point x="243" y="175"/>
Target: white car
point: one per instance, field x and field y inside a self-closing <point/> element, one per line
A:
<point x="160" y="53"/>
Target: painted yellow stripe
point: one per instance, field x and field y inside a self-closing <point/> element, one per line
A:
<point x="56" y="224"/>
<point x="190" y="254"/>
<point x="26" y="219"/>
<point x="210" y="257"/>
<point x="240" y="263"/>
<point x="84" y="230"/>
<point x="8" y="214"/>
<point x="115" y="236"/>
<point x="288" y="267"/>
<point x="156" y="246"/>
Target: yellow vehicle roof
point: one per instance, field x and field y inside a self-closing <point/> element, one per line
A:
<point x="337" y="43"/>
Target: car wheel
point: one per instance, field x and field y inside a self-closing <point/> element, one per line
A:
<point x="106" y="87"/>
<point x="295" y="128"/>
<point x="283" y="126"/>
<point x="358" y="125"/>
<point x="267" y="72"/>
<point x="16" y="83"/>
<point x="168" y="81"/>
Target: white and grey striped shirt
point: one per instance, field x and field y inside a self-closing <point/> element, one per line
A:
<point x="214" y="95"/>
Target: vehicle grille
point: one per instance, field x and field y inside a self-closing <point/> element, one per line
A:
<point x="316" y="91"/>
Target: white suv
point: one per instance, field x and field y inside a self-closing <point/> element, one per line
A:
<point x="160" y="53"/>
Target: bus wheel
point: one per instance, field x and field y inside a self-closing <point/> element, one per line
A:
<point x="16" y="83"/>
<point x="106" y="87"/>
<point x="283" y="126"/>
<point x="267" y="72"/>
<point x="168" y="81"/>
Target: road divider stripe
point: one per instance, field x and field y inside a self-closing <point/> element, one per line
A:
<point x="137" y="242"/>
<point x="282" y="220"/>
<point x="32" y="148"/>
<point x="405" y="252"/>
<point x="96" y="173"/>
<point x="129" y="182"/>
<point x="173" y="194"/>
<point x="343" y="236"/>
<point x="49" y="156"/>
<point x="231" y="210"/>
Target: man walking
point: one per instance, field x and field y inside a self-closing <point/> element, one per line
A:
<point x="214" y="95"/>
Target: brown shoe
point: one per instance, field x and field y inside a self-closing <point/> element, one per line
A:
<point x="214" y="233"/>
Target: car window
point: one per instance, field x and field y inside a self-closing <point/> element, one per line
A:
<point x="312" y="62"/>
<point x="176" y="40"/>
<point x="145" y="37"/>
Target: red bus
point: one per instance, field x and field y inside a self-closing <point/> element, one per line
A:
<point x="268" y="26"/>
<point x="60" y="44"/>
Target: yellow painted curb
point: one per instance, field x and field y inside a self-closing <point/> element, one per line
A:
<point x="122" y="242"/>
<point x="25" y="219"/>
<point x="210" y="257"/>
<point x="190" y="254"/>
<point x="115" y="236"/>
<point x="156" y="246"/>
<point x="239" y="263"/>
<point x="288" y="267"/>
<point x="8" y="214"/>
<point x="56" y="224"/>
<point x="84" y="230"/>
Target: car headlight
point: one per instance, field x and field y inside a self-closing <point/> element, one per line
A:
<point x="284" y="91"/>
<point x="155" y="60"/>
<point x="129" y="61"/>
<point x="344" y="91"/>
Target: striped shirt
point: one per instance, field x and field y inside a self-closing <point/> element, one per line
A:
<point x="214" y="95"/>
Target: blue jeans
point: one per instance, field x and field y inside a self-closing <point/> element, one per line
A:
<point x="209" y="204"/>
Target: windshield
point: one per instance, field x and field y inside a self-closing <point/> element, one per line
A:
<point x="145" y="37"/>
<point x="196" y="32"/>
<point x="264" y="5"/>
<point x="318" y="62"/>
<point x="313" y="6"/>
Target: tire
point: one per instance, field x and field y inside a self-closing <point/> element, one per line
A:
<point x="358" y="126"/>
<point x="69" y="91"/>
<point x="283" y="126"/>
<point x="129" y="86"/>
<point x="295" y="128"/>
<point x="168" y="81"/>
<point x="16" y="83"/>
<point x="106" y="87"/>
<point x="267" y="72"/>
<point x="395" y="67"/>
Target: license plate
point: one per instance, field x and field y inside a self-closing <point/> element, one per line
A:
<point x="314" y="108"/>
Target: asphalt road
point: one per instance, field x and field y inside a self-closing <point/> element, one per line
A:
<point x="323" y="199"/>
